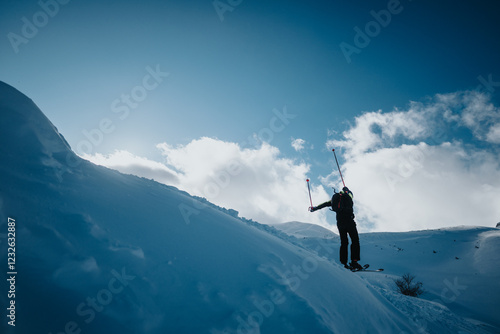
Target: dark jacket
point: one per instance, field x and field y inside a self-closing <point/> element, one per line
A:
<point x="342" y="204"/>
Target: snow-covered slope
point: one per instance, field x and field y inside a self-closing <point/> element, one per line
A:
<point x="459" y="269"/>
<point x="302" y="230"/>
<point x="102" y="252"/>
<point x="460" y="266"/>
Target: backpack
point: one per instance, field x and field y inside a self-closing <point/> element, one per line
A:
<point x="342" y="204"/>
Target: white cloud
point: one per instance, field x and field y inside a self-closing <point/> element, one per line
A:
<point x="473" y="110"/>
<point x="298" y="144"/>
<point x="428" y="182"/>
<point x="257" y="182"/>
<point x="444" y="113"/>
<point x="373" y="130"/>
<point x="129" y="163"/>
<point x="408" y="169"/>
<point x="493" y="135"/>
<point x="422" y="186"/>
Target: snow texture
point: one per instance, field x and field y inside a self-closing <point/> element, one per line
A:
<point x="98" y="251"/>
<point x="302" y="230"/>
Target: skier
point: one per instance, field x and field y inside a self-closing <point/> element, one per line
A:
<point x="342" y="204"/>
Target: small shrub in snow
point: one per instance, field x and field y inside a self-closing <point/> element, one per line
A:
<point x="407" y="287"/>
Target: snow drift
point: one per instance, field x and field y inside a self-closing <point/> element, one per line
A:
<point x="102" y="252"/>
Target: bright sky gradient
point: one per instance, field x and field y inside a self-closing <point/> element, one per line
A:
<point x="240" y="101"/>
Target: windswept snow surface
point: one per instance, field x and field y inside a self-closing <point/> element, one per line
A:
<point x="459" y="269"/>
<point x="302" y="230"/>
<point x="101" y="252"/>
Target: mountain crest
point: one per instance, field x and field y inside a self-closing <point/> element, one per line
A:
<point x="28" y="137"/>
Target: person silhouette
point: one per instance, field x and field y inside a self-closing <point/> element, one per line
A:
<point x="342" y="203"/>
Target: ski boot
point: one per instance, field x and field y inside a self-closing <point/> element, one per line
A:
<point x="354" y="265"/>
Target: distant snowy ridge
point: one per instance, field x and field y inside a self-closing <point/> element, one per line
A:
<point x="102" y="252"/>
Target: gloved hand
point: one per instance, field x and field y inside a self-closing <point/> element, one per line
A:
<point x="312" y="209"/>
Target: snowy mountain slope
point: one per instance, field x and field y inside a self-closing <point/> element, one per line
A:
<point x="301" y="230"/>
<point x="102" y="252"/>
<point x="98" y="252"/>
<point x="458" y="267"/>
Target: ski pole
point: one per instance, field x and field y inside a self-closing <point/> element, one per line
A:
<point x="309" y="188"/>
<point x="338" y="166"/>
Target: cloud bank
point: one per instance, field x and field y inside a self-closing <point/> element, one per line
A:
<point x="257" y="182"/>
<point x="129" y="163"/>
<point x="435" y="164"/>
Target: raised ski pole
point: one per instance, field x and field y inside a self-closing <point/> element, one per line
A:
<point x="333" y="150"/>
<point x="309" y="188"/>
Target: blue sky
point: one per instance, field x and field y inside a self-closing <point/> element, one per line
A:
<point x="236" y="67"/>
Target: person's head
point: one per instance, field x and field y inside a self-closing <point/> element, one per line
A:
<point x="343" y="191"/>
<point x="346" y="190"/>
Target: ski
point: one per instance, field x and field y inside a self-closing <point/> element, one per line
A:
<point x="365" y="268"/>
<point x="371" y="270"/>
<point x="362" y="269"/>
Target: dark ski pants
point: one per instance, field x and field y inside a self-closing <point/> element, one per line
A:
<point x="348" y="228"/>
